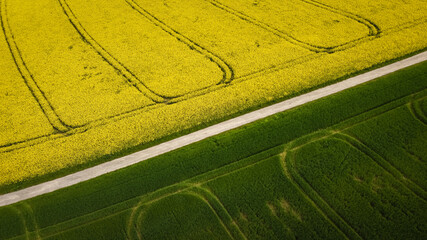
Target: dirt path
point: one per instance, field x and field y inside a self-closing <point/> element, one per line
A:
<point x="154" y="151"/>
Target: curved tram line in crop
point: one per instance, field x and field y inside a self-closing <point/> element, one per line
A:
<point x="312" y="196"/>
<point x="417" y="112"/>
<point x="228" y="74"/>
<point x="223" y="216"/>
<point x="228" y="77"/>
<point x="382" y="163"/>
<point x="28" y="220"/>
<point x="32" y="85"/>
<point x="290" y="170"/>
<point x="132" y="79"/>
<point x="374" y="30"/>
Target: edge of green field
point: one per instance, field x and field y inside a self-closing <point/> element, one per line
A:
<point x="40" y="179"/>
<point x="224" y="149"/>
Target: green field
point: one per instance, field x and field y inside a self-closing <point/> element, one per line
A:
<point x="352" y="165"/>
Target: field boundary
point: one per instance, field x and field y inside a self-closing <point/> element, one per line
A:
<point x="199" y="135"/>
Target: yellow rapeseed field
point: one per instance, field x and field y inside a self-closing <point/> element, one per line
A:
<point x="80" y="79"/>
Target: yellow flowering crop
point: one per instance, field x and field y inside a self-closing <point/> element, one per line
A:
<point x="84" y="78"/>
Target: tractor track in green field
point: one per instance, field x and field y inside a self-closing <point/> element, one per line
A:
<point x="417" y="112"/>
<point x="316" y="199"/>
<point x="383" y="163"/>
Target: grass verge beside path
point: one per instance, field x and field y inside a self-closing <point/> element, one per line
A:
<point x="321" y="170"/>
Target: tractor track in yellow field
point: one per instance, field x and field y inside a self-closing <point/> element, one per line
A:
<point x="374" y="30"/>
